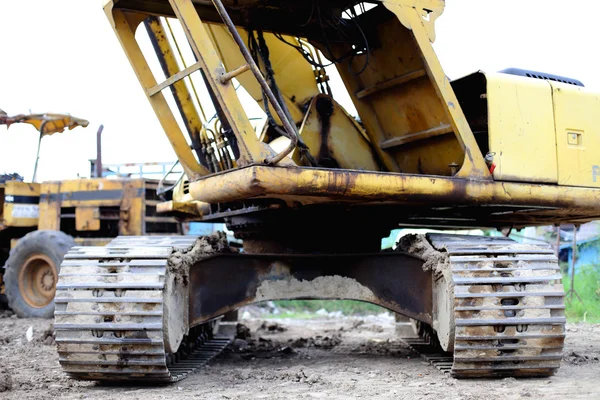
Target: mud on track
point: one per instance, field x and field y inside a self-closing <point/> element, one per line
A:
<point x="337" y="358"/>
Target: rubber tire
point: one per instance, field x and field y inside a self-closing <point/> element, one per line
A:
<point x="53" y="244"/>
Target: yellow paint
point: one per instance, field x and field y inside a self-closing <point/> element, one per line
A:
<point x="179" y="89"/>
<point x="126" y="33"/>
<point x="316" y="185"/>
<point x="16" y="214"/>
<point x="521" y="128"/>
<point x="577" y="135"/>
<point x="87" y="218"/>
<point x="133" y="210"/>
<point x="250" y="148"/>
<point x="58" y="195"/>
<point x="295" y="77"/>
<point x="428" y="10"/>
<point x="92" y="241"/>
<point x="412" y="17"/>
<point x="345" y="142"/>
<point x="48" y="124"/>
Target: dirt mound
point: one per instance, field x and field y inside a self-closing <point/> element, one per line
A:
<point x="242" y="332"/>
<point x="206" y="245"/>
<point x="272" y="327"/>
<point x="47" y="335"/>
<point x="419" y="246"/>
<point x="5" y="380"/>
<point x="574" y="358"/>
<point x="324" y="342"/>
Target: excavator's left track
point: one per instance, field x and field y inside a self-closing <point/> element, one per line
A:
<point x="109" y="320"/>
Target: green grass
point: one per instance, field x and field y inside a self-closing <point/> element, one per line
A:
<point x="305" y="309"/>
<point x="587" y="286"/>
<point x="293" y="315"/>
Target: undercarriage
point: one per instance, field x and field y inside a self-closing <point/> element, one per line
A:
<point x="148" y="308"/>
<point x="312" y="191"/>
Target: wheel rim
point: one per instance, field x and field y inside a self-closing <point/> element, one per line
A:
<point x="37" y="280"/>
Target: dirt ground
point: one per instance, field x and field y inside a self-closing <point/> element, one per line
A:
<point x="326" y="358"/>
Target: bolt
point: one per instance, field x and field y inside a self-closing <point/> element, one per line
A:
<point x="98" y="319"/>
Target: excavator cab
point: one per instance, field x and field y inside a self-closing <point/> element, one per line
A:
<point x="312" y="193"/>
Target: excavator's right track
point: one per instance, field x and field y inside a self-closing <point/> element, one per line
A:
<point x="508" y="307"/>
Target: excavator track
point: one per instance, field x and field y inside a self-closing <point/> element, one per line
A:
<point x="508" y="302"/>
<point x="109" y="314"/>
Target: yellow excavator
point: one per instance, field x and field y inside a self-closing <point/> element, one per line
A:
<point x="313" y="193"/>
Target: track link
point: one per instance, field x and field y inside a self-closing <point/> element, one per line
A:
<point x="426" y="345"/>
<point x="109" y="314"/>
<point x="508" y="306"/>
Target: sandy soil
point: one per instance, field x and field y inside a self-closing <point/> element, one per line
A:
<point x="337" y="358"/>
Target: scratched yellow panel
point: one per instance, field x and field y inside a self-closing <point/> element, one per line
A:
<point x="20" y="204"/>
<point x="577" y="135"/>
<point x="521" y="128"/>
<point x="87" y="218"/>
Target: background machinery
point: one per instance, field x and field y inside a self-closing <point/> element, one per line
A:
<point x="19" y="200"/>
<point x="40" y="222"/>
<point x="313" y="193"/>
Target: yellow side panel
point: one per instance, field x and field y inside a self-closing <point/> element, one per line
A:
<point x="295" y="77"/>
<point x="87" y="218"/>
<point x="21" y="204"/>
<point x="335" y="139"/>
<point x="577" y="116"/>
<point x="521" y="129"/>
<point x="49" y="207"/>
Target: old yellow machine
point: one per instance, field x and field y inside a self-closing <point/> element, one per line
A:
<point x="40" y="222"/>
<point x="19" y="200"/>
<point x="83" y="212"/>
<point x="313" y="193"/>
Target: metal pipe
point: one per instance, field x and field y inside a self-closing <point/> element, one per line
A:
<point x="573" y="257"/>
<point x="289" y="128"/>
<point x="557" y="240"/>
<point x="226" y="77"/>
<point x="37" y="156"/>
<point x="99" y="151"/>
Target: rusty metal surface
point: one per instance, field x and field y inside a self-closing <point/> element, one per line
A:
<point x="228" y="281"/>
<point x="535" y="203"/>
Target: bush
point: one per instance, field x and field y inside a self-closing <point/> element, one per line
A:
<point x="587" y="286"/>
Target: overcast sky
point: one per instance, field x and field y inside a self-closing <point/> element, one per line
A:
<point x="62" y="56"/>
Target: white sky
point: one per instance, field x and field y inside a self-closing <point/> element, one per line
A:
<point x="62" y="56"/>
